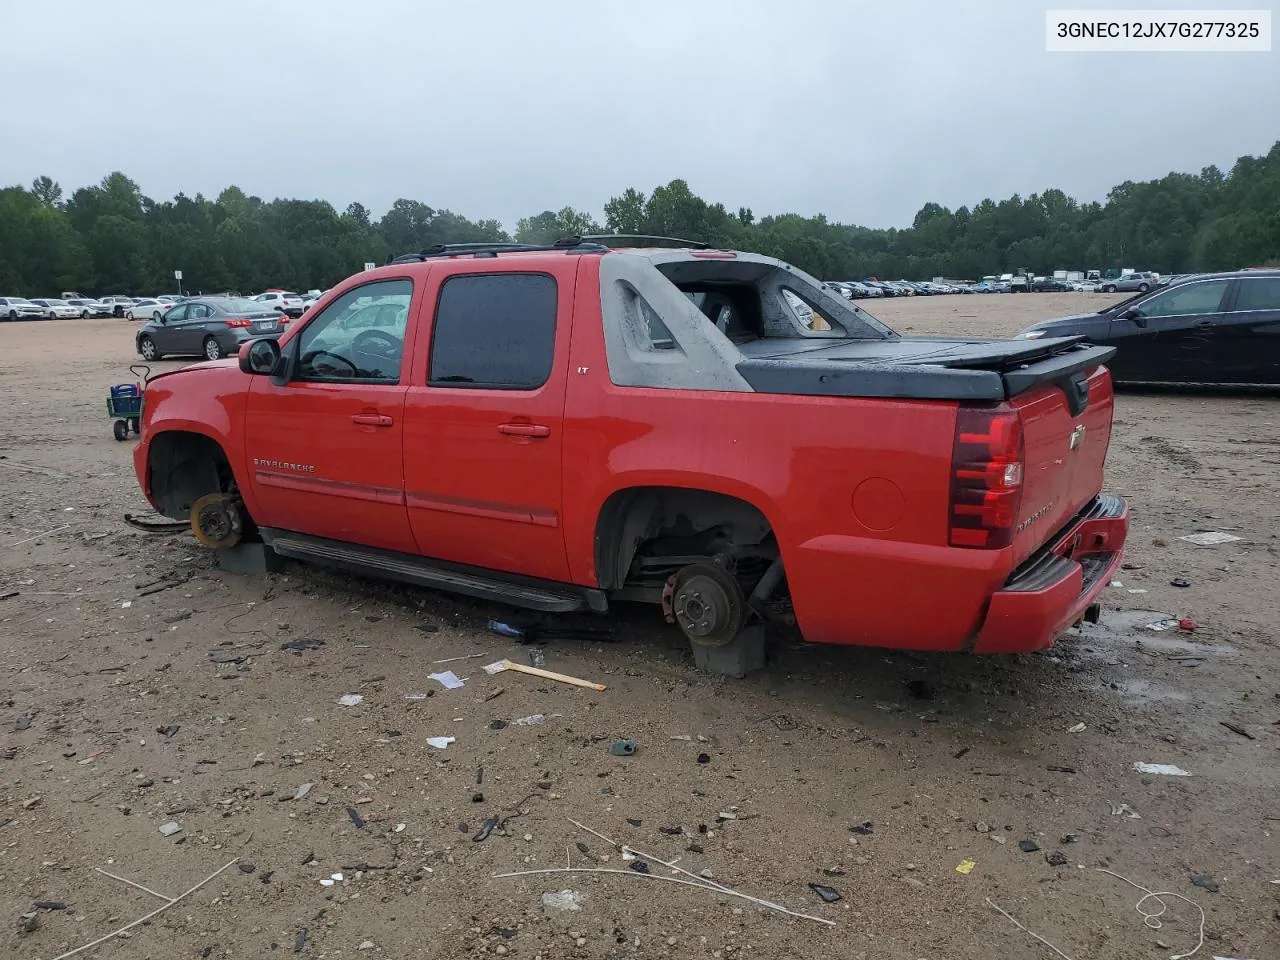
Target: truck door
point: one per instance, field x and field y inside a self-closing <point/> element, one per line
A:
<point x="484" y="417"/>
<point x="326" y="449"/>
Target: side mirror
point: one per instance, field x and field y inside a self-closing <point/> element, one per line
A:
<point x="1134" y="314"/>
<point x="260" y="357"/>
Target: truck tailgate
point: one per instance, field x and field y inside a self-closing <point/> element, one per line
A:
<point x="1066" y="430"/>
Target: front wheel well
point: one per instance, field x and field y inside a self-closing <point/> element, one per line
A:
<point x="645" y="533"/>
<point x="184" y="467"/>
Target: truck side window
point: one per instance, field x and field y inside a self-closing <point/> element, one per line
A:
<point x="494" y="330"/>
<point x="359" y="336"/>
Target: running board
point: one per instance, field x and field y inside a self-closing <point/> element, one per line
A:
<point x="531" y="594"/>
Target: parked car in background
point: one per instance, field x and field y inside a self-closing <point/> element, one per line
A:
<point x="20" y="308"/>
<point x="119" y="304"/>
<point x="1049" y="285"/>
<point x="146" y="307"/>
<point x="56" y="309"/>
<point x="1140" y="282"/>
<point x="983" y="286"/>
<point x="289" y="303"/>
<point x="90" y="308"/>
<point x="1020" y="284"/>
<point x="1217" y="328"/>
<point x="209" y="327"/>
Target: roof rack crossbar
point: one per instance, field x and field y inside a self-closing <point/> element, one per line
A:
<point x="643" y="240"/>
<point x="492" y="249"/>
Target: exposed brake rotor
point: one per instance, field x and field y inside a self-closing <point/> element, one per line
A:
<point x="708" y="604"/>
<point x="216" y="521"/>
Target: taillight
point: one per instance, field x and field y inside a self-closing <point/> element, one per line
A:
<point x="238" y="323"/>
<point x="986" y="477"/>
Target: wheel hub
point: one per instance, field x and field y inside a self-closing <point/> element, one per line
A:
<point x="216" y="522"/>
<point x="708" y="604"/>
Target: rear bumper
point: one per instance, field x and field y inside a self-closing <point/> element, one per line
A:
<point x="1054" y="589"/>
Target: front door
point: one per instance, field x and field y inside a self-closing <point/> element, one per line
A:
<point x="484" y="419"/>
<point x="326" y="449"/>
<point x="1176" y="340"/>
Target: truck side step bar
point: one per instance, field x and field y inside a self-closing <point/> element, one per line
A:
<point x="531" y="594"/>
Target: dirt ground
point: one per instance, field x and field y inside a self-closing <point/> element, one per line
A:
<point x="874" y="773"/>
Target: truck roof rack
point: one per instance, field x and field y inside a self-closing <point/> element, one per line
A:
<point x="492" y="249"/>
<point x="643" y="240"/>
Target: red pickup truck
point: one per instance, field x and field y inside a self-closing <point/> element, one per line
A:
<point x="713" y="431"/>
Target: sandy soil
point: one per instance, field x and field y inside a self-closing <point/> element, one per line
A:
<point x="117" y="720"/>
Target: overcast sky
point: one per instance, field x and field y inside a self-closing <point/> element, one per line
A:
<point x="863" y="111"/>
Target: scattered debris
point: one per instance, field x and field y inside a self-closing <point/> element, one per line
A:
<point x="959" y="753"/>
<point x="864" y="829"/>
<point x="300" y="941"/>
<point x="1205" y="882"/>
<point x="537" y="657"/>
<point x="1210" y="538"/>
<point x="966" y="866"/>
<point x="1123" y="809"/>
<point x="22" y="723"/>
<point x="247" y="868"/>
<point x="1236" y="728"/>
<point x="502" y="666"/>
<point x="298" y="646"/>
<point x="355" y="818"/>
<point x="499" y="724"/>
<point x="168" y="902"/>
<point x="302" y="791"/>
<point x="704" y="758"/>
<point x="419" y="696"/>
<point x="1028" y="846"/>
<point x="350" y="699"/>
<point x="330" y="880"/>
<point x="639" y="866"/>
<point x="1187" y="625"/>
<point x="570" y="900"/>
<point x="168" y="730"/>
<point x="486" y="828"/>
<point x="1168" y="623"/>
<point x="992" y="904"/>
<point x="170" y="828"/>
<point x="494" y="694"/>
<point x="49" y="905"/>
<point x="1056" y="859"/>
<point x="623" y="748"/>
<point x="1180" y="582"/>
<point x="828" y="894"/>
<point x="529" y="721"/>
<point x="449" y="680"/>
<point x="1069" y="838"/>
<point x="1163" y="769"/>
<point x="1078" y="728"/>
<point x="1053" y="768"/>
<point x="672" y="831"/>
<point x="228" y="656"/>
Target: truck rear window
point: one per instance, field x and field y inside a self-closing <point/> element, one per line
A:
<point x="495" y="330"/>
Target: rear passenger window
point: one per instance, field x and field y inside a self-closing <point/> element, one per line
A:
<point x="494" y="330"/>
<point x="1259" y="293"/>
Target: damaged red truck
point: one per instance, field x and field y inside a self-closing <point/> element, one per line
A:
<point x="717" y="432"/>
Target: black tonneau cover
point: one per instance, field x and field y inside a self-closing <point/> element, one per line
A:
<point x="922" y="368"/>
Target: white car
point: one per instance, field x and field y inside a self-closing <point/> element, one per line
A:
<point x="147" y="309"/>
<point x="56" y="309"/>
<point x="289" y="303"/>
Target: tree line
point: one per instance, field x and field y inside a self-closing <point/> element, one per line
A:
<point x="111" y="238"/>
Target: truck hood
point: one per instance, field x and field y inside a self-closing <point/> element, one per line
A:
<point x="202" y="366"/>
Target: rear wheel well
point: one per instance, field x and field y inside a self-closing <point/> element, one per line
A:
<point x="644" y="534"/>
<point x="184" y="467"/>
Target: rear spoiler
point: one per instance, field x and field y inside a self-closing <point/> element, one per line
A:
<point x="1065" y="369"/>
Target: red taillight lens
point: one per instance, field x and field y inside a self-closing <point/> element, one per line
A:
<point x="986" y="477"/>
<point x="238" y="323"/>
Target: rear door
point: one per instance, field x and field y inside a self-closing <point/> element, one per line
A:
<point x="1250" y="332"/>
<point x="485" y="414"/>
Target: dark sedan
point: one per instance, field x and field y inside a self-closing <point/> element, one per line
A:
<point x="209" y="327"/>
<point x="1214" y="328"/>
<point x="1049" y="285"/>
